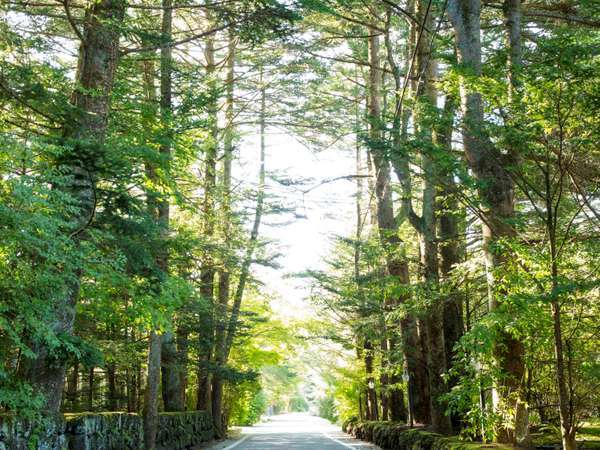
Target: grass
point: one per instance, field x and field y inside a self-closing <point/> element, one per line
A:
<point x="590" y="433"/>
<point x="588" y="436"/>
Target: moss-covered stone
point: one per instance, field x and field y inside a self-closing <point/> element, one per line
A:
<point x="105" y="431"/>
<point x="183" y="430"/>
<point x="20" y="435"/>
<point x="396" y="436"/>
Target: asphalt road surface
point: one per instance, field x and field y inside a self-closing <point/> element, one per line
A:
<point x="296" y="431"/>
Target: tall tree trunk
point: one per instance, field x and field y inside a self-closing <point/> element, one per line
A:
<point x="448" y="235"/>
<point x="171" y="370"/>
<point x="448" y="231"/>
<point x="490" y="168"/>
<point x="224" y="275"/>
<point x="385" y="213"/>
<point x="450" y="256"/>
<point x="131" y="390"/>
<point x="183" y="360"/>
<point x="253" y="242"/>
<point x="372" y="405"/>
<point x="384" y="378"/>
<point x="426" y="96"/>
<point x="159" y="208"/>
<point x="111" y="376"/>
<point x="85" y="132"/>
<point x="90" y="396"/>
<point x="565" y="399"/>
<point x="152" y="391"/>
<point x="361" y="413"/>
<point x="512" y="14"/>
<point x="73" y="387"/>
<point x="516" y="369"/>
<point x="138" y="383"/>
<point x="567" y="426"/>
<point x="207" y="277"/>
<point x="450" y="247"/>
<point x="203" y="402"/>
<point x="414" y="359"/>
<point x="170" y="364"/>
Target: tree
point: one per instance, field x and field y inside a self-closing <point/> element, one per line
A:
<point x="464" y="298"/>
<point x="83" y="133"/>
<point x="491" y="167"/>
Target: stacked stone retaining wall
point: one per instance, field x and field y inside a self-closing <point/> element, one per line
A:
<point x="396" y="436"/>
<point x="105" y="431"/>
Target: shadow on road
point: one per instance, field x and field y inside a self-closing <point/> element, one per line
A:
<point x="294" y="431"/>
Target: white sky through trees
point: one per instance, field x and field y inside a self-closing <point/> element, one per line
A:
<point x="324" y="212"/>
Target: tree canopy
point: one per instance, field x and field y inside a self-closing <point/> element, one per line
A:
<point x="135" y="189"/>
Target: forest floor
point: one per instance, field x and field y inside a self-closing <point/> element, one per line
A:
<point x="588" y="437"/>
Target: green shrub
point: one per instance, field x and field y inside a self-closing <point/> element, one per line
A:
<point x="298" y="404"/>
<point x="246" y="403"/>
<point x="327" y="408"/>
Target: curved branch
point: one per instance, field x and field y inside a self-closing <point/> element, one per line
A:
<point x="72" y="21"/>
<point x="403" y="11"/>
<point x="556" y="15"/>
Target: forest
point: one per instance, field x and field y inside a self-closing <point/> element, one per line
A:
<point x="461" y="294"/>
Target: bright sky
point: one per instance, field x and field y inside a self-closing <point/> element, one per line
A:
<point x="328" y="210"/>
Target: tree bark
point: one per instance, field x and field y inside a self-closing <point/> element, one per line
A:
<point x="567" y="427"/>
<point x="171" y="369"/>
<point x="182" y="336"/>
<point x="449" y="236"/>
<point x="565" y="399"/>
<point x="497" y="192"/>
<point x="90" y="396"/>
<point x="372" y="405"/>
<point x="131" y="390"/>
<point x="73" y="386"/>
<point x="426" y="96"/>
<point x="159" y="208"/>
<point x="397" y="265"/>
<point x="361" y="414"/>
<point x="138" y="383"/>
<point x="252" y="244"/>
<point x="112" y="387"/>
<point x="450" y="248"/>
<point x="423" y="396"/>
<point x="152" y="391"/>
<point x="85" y="131"/>
<point x="384" y="378"/>
<point x="512" y="14"/>
<point x="207" y="277"/>
<point x="224" y="275"/>
<point x="414" y="358"/>
<point x="170" y="363"/>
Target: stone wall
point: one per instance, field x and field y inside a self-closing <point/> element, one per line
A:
<point x="18" y="435"/>
<point x="183" y="430"/>
<point x="395" y="436"/>
<point x="105" y="431"/>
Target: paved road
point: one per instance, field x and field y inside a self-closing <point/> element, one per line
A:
<point x="295" y="431"/>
